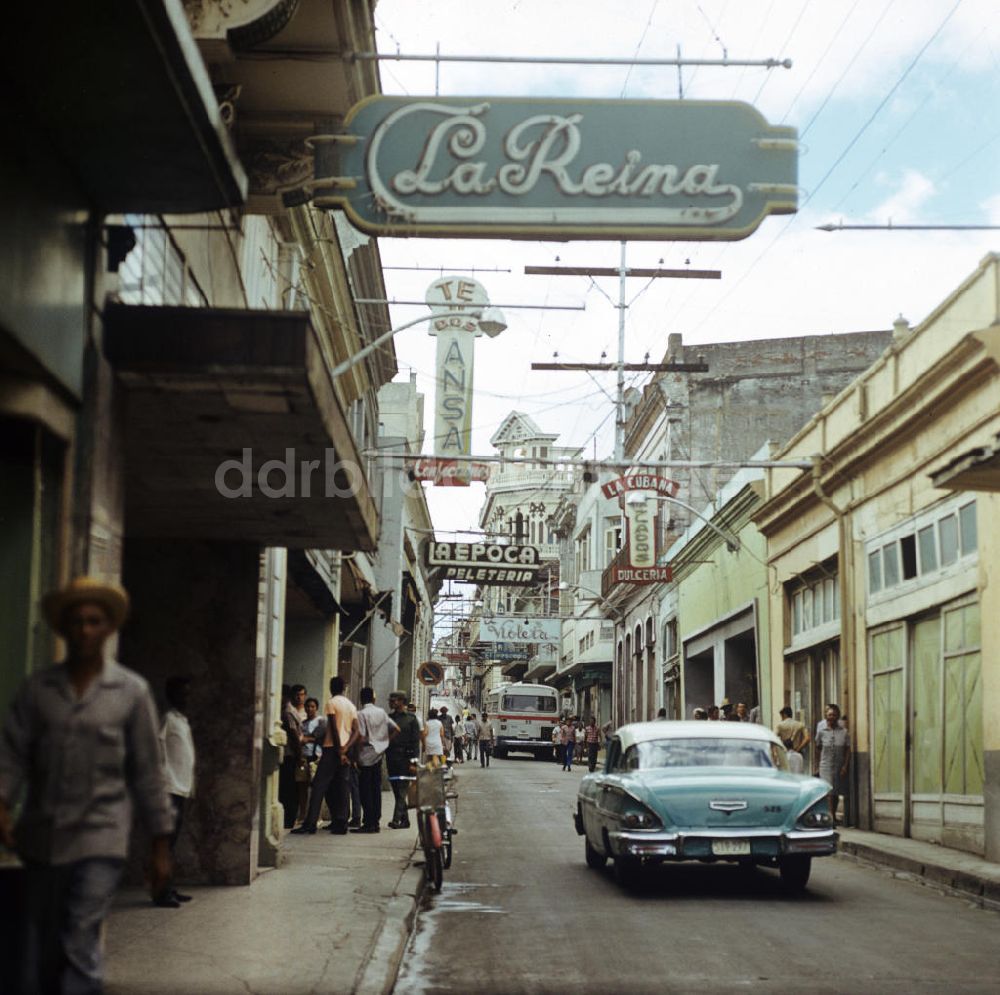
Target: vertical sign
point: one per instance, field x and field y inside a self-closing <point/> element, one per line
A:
<point x="456" y="338"/>
<point x="641" y="532"/>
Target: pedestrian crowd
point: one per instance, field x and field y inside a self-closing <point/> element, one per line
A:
<point x="574" y="738"/>
<point x="831" y="741"/>
<point x="337" y="758"/>
<point x="726" y="711"/>
<point x="82" y="748"/>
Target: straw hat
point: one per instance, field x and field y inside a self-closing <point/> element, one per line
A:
<point x="85" y="590"/>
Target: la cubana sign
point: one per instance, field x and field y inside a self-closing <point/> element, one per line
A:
<point x="554" y="168"/>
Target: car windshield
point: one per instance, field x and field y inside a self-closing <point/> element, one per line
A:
<point x="705" y="752"/>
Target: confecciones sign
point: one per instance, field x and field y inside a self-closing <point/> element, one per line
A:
<point x="553" y="168"/>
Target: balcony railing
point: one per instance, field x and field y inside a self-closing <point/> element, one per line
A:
<point x="514" y="476"/>
<point x="620" y="560"/>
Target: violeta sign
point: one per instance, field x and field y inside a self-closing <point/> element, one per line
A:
<point x="554" y="168"/>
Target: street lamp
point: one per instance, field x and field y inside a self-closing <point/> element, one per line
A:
<point x="731" y="541"/>
<point x="491" y="322"/>
<point x="597" y="599"/>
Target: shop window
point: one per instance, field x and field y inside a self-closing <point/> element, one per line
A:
<point x="967" y="527"/>
<point x="930" y="546"/>
<point x="948" y="536"/>
<point x="831" y="605"/>
<point x="814" y="605"/>
<point x="875" y="571"/>
<point x="928" y="549"/>
<point x="670" y="639"/>
<point x="908" y="554"/>
<point x="582" y="557"/>
<point x="890" y="565"/>
<point x="612" y="543"/>
<point x="797" y="613"/>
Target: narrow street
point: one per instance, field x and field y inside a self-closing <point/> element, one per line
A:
<point x="521" y="913"/>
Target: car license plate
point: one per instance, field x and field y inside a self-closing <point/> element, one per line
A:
<point x="730" y="848"/>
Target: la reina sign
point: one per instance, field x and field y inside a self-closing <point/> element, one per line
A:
<point x="558" y="169"/>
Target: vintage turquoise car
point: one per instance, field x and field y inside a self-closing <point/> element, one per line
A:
<point x="708" y="791"/>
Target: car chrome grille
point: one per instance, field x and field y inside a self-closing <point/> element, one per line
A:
<point x="727" y="806"/>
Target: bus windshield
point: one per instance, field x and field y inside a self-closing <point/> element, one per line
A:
<point x="529" y="703"/>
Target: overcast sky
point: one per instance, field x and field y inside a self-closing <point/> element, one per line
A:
<point x="896" y="105"/>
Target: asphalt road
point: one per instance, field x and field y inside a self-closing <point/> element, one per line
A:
<point x="520" y="912"/>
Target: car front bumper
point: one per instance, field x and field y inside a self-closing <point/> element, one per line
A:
<point x="764" y="844"/>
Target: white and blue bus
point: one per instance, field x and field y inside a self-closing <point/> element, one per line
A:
<point x="523" y="717"/>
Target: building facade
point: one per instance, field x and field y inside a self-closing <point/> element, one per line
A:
<point x="752" y="392"/>
<point x="520" y="499"/>
<point x="714" y="637"/>
<point x="883" y="559"/>
<point x="171" y="308"/>
<point x="588" y="526"/>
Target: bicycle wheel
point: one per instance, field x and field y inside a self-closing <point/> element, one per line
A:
<point x="434" y="869"/>
<point x="446" y="847"/>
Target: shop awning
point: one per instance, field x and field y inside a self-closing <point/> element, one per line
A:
<point x="975" y="470"/>
<point x="234" y="431"/>
<point x="538" y="670"/>
<point x="120" y="90"/>
<point x="515" y="670"/>
<point x="561" y="680"/>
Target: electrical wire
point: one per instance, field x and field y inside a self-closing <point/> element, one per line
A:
<point x="819" y="62"/>
<point x="840" y="158"/>
<point x="784" y="48"/>
<point x="642" y="38"/>
<point x="899" y="131"/>
<point x="850" y="65"/>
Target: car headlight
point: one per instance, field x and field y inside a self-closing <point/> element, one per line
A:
<point x="816" y="817"/>
<point x="637" y="816"/>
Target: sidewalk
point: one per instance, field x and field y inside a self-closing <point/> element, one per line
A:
<point x="335" y="917"/>
<point x="954" y="871"/>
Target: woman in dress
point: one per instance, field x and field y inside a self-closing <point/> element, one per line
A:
<point x="434" y="739"/>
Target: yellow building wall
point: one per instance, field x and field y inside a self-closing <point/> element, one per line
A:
<point x="932" y="397"/>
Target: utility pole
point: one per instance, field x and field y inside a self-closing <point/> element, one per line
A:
<point x="623" y="273"/>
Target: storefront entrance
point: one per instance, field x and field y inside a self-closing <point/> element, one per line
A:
<point x="926" y="691"/>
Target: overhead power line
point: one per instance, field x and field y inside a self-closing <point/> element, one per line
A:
<point x="892" y="227"/>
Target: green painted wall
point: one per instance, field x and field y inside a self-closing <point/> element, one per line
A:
<point x="727" y="582"/>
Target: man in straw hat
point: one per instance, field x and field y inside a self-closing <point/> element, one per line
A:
<point x="82" y="739"/>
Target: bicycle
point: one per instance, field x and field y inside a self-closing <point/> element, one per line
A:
<point x="435" y="827"/>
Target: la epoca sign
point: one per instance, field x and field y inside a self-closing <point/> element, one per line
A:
<point x="562" y="168"/>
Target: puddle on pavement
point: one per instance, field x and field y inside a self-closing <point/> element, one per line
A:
<point x="414" y="976"/>
<point x="450" y="899"/>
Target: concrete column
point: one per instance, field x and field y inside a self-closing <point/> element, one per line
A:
<point x="194" y="612"/>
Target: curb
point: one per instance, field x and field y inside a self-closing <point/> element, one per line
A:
<point x="957" y="883"/>
<point x="378" y="976"/>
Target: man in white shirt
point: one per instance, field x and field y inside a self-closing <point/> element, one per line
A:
<point x="179" y="760"/>
<point x="472" y="735"/>
<point x="332" y="780"/>
<point x="376" y="729"/>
